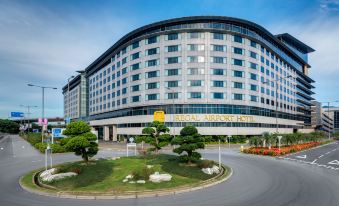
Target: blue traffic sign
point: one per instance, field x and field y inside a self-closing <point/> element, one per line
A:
<point x="17" y="114"/>
<point x="57" y="132"/>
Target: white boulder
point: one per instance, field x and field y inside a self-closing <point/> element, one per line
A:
<point x="141" y="181"/>
<point x="211" y="171"/>
<point x="129" y="177"/>
<point x="49" y="172"/>
<point x="156" y="177"/>
<point x="58" y="176"/>
<point x="149" y="166"/>
<point x="125" y="180"/>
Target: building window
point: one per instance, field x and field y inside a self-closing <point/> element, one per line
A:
<point x="135" y="56"/>
<point x="152" y="96"/>
<point x="195" y="47"/>
<point x="124" y="80"/>
<point x="254" y="76"/>
<point x="253" y="54"/>
<point x="173" y="60"/>
<point x="124" y="71"/>
<point x="135" y="88"/>
<point x="172" y="36"/>
<point x="218" y="48"/>
<point x="195" y="95"/>
<point x="253" y="65"/>
<point x="238" y="85"/>
<point x="218" y="71"/>
<point x="195" y="59"/>
<point x="173" y="95"/>
<point x="172" y="72"/>
<point x="136" y="77"/>
<point x="136" y="98"/>
<point x="237" y="50"/>
<point x="152" y="40"/>
<point x="196" y="35"/>
<point x="238" y="39"/>
<point x="135" y="66"/>
<point x="217" y="95"/>
<point x="152" y="85"/>
<point x="151" y="63"/>
<point x="253" y="98"/>
<point x="124" y="60"/>
<point x="238" y="62"/>
<point x="219" y="36"/>
<point x="172" y="48"/>
<point x="195" y="71"/>
<point x="152" y="74"/>
<point x="238" y="96"/>
<point x="195" y="83"/>
<point x="152" y="51"/>
<point x="135" y="45"/>
<point x="218" y="83"/>
<point x="218" y="60"/>
<point x="254" y="87"/>
<point x="124" y="90"/>
<point x="173" y="83"/>
<point x="238" y="73"/>
<point x="253" y="44"/>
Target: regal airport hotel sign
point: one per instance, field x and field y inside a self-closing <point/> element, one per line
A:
<point x="213" y="118"/>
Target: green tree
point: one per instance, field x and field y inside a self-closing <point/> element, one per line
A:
<point x="156" y="135"/>
<point x="9" y="126"/>
<point x="82" y="141"/>
<point x="188" y="141"/>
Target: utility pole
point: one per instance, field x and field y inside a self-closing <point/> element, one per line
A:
<point x="28" y="112"/>
<point x="43" y="105"/>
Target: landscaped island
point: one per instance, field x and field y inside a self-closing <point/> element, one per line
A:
<point x="107" y="176"/>
<point x="150" y="172"/>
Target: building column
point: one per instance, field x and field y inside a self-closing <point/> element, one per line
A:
<point x="106" y="133"/>
<point x="115" y="135"/>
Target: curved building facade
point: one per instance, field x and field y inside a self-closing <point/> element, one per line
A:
<point x="223" y="75"/>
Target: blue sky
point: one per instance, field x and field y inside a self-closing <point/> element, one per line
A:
<point x="44" y="42"/>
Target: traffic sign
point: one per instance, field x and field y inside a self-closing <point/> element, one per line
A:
<point x="17" y="114"/>
<point x="57" y="132"/>
<point x="159" y="116"/>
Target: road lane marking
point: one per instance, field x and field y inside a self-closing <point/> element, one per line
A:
<point x="320" y="156"/>
<point x="302" y="156"/>
<point x="313" y="161"/>
<point x="1" y="148"/>
<point x="334" y="162"/>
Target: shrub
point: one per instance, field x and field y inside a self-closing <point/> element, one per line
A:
<point x="41" y="146"/>
<point x="207" y="139"/>
<point x="57" y="148"/>
<point x="142" y="173"/>
<point x="76" y="170"/>
<point x="205" y="164"/>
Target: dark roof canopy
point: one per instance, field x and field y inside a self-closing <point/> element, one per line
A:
<point x="295" y="42"/>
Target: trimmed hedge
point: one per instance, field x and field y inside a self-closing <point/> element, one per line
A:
<point x="35" y="140"/>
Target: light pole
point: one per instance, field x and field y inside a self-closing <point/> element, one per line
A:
<point x="28" y="112"/>
<point x="173" y="110"/>
<point x="276" y="99"/>
<point x="68" y="98"/>
<point x="328" y="114"/>
<point x="43" y="104"/>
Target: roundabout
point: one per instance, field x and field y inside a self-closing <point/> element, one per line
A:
<point x="122" y="178"/>
<point x="255" y="181"/>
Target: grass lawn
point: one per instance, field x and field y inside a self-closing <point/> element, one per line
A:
<point x="107" y="175"/>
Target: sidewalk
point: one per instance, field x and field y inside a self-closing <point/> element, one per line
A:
<point x="121" y="146"/>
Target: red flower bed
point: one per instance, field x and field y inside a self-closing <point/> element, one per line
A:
<point x="274" y="151"/>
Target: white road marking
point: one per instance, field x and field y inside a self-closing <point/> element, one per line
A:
<point x="23" y="147"/>
<point x="334" y="162"/>
<point x="302" y="156"/>
<point x="1" y="148"/>
<point x="328" y="152"/>
<point x="320" y="156"/>
<point x="313" y="161"/>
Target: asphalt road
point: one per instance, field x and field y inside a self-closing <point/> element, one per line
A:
<point x="256" y="181"/>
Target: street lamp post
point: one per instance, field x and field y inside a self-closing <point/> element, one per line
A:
<point x="28" y="112"/>
<point x="43" y="104"/>
<point x="276" y="99"/>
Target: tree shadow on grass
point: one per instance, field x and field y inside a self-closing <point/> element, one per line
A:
<point x="90" y="174"/>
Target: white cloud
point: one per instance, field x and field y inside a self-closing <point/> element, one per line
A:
<point x="320" y="33"/>
<point x="42" y="46"/>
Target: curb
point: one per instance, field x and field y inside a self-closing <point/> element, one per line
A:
<point x="135" y="195"/>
